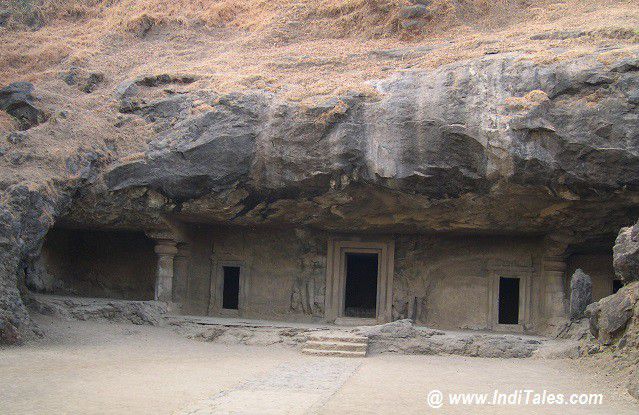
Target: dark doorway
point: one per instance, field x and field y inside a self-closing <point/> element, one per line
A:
<point x="231" y="289"/>
<point x="361" y="285"/>
<point x="508" y="300"/>
<point x="616" y="285"/>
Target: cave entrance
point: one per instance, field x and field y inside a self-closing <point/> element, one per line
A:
<point x="508" y="300"/>
<point x="360" y="294"/>
<point x="114" y="264"/>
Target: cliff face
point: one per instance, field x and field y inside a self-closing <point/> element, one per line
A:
<point x="498" y="144"/>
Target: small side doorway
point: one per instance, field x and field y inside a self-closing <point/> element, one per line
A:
<point x="228" y="288"/>
<point x="231" y="288"/>
<point x="508" y="301"/>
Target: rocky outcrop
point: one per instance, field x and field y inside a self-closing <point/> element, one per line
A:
<point x="614" y="320"/>
<point x="633" y="384"/>
<point x="610" y="316"/>
<point x="95" y="309"/>
<point x="17" y="100"/>
<point x="471" y="146"/>
<point x="26" y="214"/>
<point x="498" y="144"/>
<point x="626" y="254"/>
<point x="580" y="294"/>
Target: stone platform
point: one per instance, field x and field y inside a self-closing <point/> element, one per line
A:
<point x="400" y="337"/>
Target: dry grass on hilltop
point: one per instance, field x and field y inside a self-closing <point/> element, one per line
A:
<point x="302" y="50"/>
<point x="299" y="47"/>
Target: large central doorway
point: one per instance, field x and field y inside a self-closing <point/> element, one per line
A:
<point x="359" y="281"/>
<point x="360" y="294"/>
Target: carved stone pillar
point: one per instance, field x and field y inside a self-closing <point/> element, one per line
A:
<point x="181" y="272"/>
<point x="165" y="248"/>
<point x="553" y="270"/>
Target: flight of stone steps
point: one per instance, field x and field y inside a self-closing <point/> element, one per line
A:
<point x="336" y="343"/>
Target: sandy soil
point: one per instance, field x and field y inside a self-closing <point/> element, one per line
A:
<point x="101" y="368"/>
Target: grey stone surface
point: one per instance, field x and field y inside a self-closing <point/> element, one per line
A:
<point x="476" y="143"/>
<point x="400" y="337"/>
<point x="610" y="316"/>
<point x="626" y="254"/>
<point x="26" y="214"/>
<point x="495" y="144"/>
<point x="17" y="100"/>
<point x="118" y="311"/>
<point x="633" y="384"/>
<point x="580" y="294"/>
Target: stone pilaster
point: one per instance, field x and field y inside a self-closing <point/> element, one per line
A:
<point x="165" y="248"/>
<point x="181" y="265"/>
<point x="553" y="270"/>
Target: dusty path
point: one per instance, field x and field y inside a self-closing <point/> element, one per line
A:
<point x="292" y="388"/>
<point x="100" y="368"/>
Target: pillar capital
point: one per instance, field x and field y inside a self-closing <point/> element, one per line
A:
<point x="183" y="249"/>
<point x="165" y="247"/>
<point x="553" y="268"/>
<point x="554" y="263"/>
<point x="160" y="234"/>
<point x="557" y="244"/>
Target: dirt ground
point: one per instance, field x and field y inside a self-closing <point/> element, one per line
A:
<point x="101" y="368"/>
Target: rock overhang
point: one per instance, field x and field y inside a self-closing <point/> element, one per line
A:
<point x="496" y="144"/>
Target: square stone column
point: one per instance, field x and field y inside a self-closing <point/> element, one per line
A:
<point x="181" y="265"/>
<point x="165" y="248"/>
<point x="553" y="269"/>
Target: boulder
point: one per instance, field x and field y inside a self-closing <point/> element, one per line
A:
<point x="5" y="15"/>
<point x="8" y="332"/>
<point x="633" y="384"/>
<point x="86" y="82"/>
<point x="580" y="294"/>
<point x="626" y="254"/>
<point x="610" y="315"/>
<point x="414" y="16"/>
<point x="17" y="100"/>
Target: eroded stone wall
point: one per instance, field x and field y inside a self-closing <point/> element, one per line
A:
<point x="439" y="280"/>
<point x="444" y="281"/>
<point x="283" y="271"/>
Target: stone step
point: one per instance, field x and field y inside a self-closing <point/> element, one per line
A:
<point x="334" y="353"/>
<point x="336" y="345"/>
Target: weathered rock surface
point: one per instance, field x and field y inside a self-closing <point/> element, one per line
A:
<point x="580" y="294"/>
<point x="497" y="144"/>
<point x="614" y="320"/>
<point x="26" y="214"/>
<point x="626" y="254"/>
<point x="398" y="337"/>
<point x="119" y="311"/>
<point x="610" y="315"/>
<point x="403" y="337"/>
<point x="633" y="384"/>
<point x="17" y="100"/>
